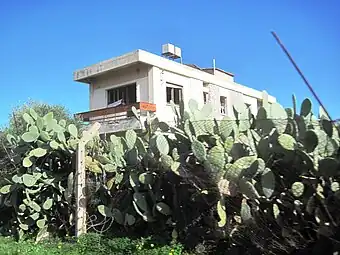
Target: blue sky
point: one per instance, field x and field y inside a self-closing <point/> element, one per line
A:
<point x="43" y="42"/>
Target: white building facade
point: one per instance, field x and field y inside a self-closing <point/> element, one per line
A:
<point x="148" y="82"/>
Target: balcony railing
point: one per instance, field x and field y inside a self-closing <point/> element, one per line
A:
<point x="118" y="112"/>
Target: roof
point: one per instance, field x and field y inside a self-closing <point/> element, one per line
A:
<point x="194" y="66"/>
<point x="209" y="69"/>
<point x="218" y="69"/>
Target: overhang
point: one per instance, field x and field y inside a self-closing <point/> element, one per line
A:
<point x="140" y="56"/>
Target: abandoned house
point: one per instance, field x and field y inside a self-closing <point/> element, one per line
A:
<point x="149" y="82"/>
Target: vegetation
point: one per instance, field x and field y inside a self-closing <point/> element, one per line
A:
<point x="257" y="184"/>
<point x="17" y="125"/>
<point x="87" y="245"/>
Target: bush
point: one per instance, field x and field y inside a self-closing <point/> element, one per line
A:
<point x="90" y="244"/>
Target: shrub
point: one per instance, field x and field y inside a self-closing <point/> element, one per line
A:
<point x="86" y="245"/>
<point x="268" y="182"/>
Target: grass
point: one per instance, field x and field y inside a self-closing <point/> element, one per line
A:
<point x="87" y="245"/>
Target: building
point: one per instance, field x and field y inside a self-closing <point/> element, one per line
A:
<point x="149" y="82"/>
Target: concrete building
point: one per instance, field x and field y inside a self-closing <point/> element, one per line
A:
<point x="148" y="82"/>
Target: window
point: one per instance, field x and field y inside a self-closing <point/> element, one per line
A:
<point x="174" y="94"/>
<point x="126" y="93"/>
<point x="259" y="103"/>
<point x="205" y="97"/>
<point x="223" y="103"/>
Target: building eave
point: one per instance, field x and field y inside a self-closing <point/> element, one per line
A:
<point x="87" y="73"/>
<point x="140" y="56"/>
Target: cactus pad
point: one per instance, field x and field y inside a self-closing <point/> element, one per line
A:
<point x="245" y="211"/>
<point x="221" y="213"/>
<point x="297" y="189"/>
<point x="268" y="182"/>
<point x="287" y="142"/>
<point x="163" y="208"/>
<point x="234" y="172"/>
<point x="131" y="138"/>
<point x="199" y="150"/>
<point x="162" y="145"/>
<point x="310" y="141"/>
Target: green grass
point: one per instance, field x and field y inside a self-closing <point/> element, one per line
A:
<point x="87" y="245"/>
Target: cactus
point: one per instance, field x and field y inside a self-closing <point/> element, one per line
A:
<point x="129" y="219"/>
<point x="245" y="211"/>
<point x="199" y="150"/>
<point x="235" y="171"/>
<point x="268" y="182"/>
<point x="244" y="156"/>
<point x="105" y="211"/>
<point x="166" y="161"/>
<point x="226" y="127"/>
<point x="279" y="117"/>
<point x="146" y="178"/>
<point x="163" y="208"/>
<point x="31" y="136"/>
<point x="287" y="142"/>
<point x="243" y="116"/>
<point x="297" y="189"/>
<point x="131" y="138"/>
<point x="162" y="145"/>
<point x="140" y="201"/>
<point x="216" y="159"/>
<point x="329" y="167"/>
<point x="276" y="211"/>
<point x="310" y="141"/>
<point x="306" y="108"/>
<point x="335" y="186"/>
<point x="247" y="189"/>
<point x="221" y="213"/>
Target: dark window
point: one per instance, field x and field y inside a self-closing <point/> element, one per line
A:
<point x="205" y="97"/>
<point x="168" y="94"/>
<point x="259" y="103"/>
<point x="174" y="94"/>
<point x="223" y="103"/>
<point x="126" y="93"/>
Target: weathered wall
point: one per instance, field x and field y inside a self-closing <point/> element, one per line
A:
<point x="100" y="85"/>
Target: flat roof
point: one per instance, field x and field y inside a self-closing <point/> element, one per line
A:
<point x="219" y="69"/>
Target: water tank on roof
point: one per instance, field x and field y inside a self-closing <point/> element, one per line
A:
<point x="171" y="51"/>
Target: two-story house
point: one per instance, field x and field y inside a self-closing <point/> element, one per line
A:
<point x="149" y="82"/>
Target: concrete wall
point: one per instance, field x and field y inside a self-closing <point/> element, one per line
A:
<point x="100" y="85"/>
<point x="151" y="82"/>
<point x="187" y="71"/>
<point x="158" y="81"/>
<point x="151" y="87"/>
<point x="191" y="89"/>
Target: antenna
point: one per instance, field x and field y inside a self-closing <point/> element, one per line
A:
<point x="300" y="73"/>
<point x="214" y="64"/>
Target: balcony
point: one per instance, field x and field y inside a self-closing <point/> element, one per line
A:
<point x="116" y="119"/>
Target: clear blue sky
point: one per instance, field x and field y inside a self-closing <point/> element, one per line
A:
<point x="43" y="42"/>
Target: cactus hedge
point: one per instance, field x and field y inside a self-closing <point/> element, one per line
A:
<point x="277" y="172"/>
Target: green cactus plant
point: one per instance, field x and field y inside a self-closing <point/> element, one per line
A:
<point x="268" y="182"/>
<point x="162" y="145"/>
<point x="199" y="150"/>
<point x="221" y="210"/>
<point x="297" y="189"/>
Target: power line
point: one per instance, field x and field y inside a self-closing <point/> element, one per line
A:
<point x="301" y="74"/>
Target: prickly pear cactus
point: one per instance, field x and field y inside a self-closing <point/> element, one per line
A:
<point x="46" y="149"/>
